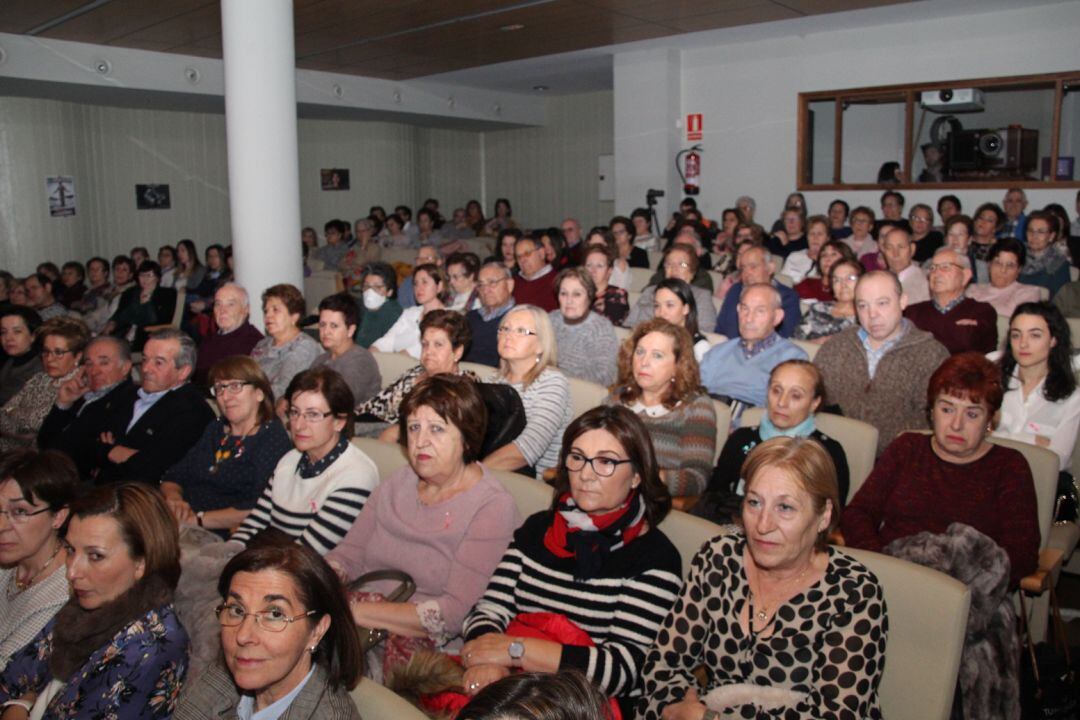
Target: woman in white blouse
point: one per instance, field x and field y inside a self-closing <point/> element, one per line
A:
<point x="429" y="287"/>
<point x="1041" y="404"/>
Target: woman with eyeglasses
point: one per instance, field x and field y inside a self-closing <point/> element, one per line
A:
<point x="927" y="240"/>
<point x="596" y="557"/>
<point x="18" y="327"/>
<point x="62" y="341"/>
<point x="1004" y="291"/>
<point x="825" y="319"/>
<point x="320" y="486"/>
<point x="223" y="475"/>
<point x="286" y="648"/>
<point x="1047" y="264"/>
<point x="35" y="490"/>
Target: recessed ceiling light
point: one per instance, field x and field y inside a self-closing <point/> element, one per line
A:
<point x="513" y="27"/>
<point x="541" y="88"/>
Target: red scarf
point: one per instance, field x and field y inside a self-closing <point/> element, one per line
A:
<point x="591" y="537"/>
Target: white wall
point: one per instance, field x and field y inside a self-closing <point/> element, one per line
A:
<point x="748" y="91"/>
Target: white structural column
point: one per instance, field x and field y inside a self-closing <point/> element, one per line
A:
<point x="260" y="127"/>
<point x="648" y="104"/>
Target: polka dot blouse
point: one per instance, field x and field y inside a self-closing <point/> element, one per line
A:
<point x="827" y="642"/>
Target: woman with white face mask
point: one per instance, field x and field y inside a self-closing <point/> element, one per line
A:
<point x="381" y="309"/>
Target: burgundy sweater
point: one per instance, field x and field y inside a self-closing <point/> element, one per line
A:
<point x="971" y="325"/>
<point x="911" y="490"/>
<point x="539" y="292"/>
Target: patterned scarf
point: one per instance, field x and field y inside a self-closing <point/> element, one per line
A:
<point x="590" y="538"/>
<point x="307" y="469"/>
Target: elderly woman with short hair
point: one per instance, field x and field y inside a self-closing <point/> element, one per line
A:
<point x="286" y="350"/>
<point x="585" y="339"/>
<point x="1003" y="291"/>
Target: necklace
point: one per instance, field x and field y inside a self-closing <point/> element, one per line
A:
<point x="762" y="614"/>
<point x="23" y="585"/>
<point x="224" y="452"/>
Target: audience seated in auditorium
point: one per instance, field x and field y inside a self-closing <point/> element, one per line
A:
<point x="738" y="370"/>
<point x="86" y="401"/>
<point x="660" y="382"/>
<point x="62" y="340"/>
<point x="535" y="283"/>
<point x="234" y="335"/>
<point x="923" y="235"/>
<point x="444" y="519"/>
<point x="444" y="335"/>
<point x="495" y="286"/>
<point x="117" y="648"/>
<point x="778" y="579"/>
<point x="876" y="372"/>
<point x="306" y="661"/>
<point x="286" y="350"/>
<point x="822" y="320"/>
<point x="1003" y="291"/>
<point x="597" y="557"/>
<point x="36" y="489"/>
<point x="957" y="322"/>
<point x="585" y="340"/>
<point x="1039" y="366"/>
<point x="219" y="480"/>
<point x="429" y="289"/>
<point x="40" y="296"/>
<point x="898" y="252"/>
<point x="1047" y="263"/>
<point x="680" y="261"/>
<point x="801" y="263"/>
<point x="22" y="351"/>
<point x="462" y="269"/>
<point x="380" y="300"/>
<point x="612" y="302"/>
<point x="151" y="428"/>
<point x="527" y="357"/>
<point x="756" y="266"/>
<point x="320" y="486"/>
<point x="338" y="318"/>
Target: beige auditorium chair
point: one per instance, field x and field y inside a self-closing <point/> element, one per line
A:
<point x="723" y="426"/>
<point x="639" y="279"/>
<point x="584" y="395"/>
<point x="319" y="285"/>
<point x="405" y="256"/>
<point x="927" y="622"/>
<point x="808" y="347"/>
<point x="393" y="365"/>
<point x="858" y="439"/>
<point x="375" y="702"/>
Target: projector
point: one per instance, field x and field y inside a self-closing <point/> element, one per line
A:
<point x="958" y="100"/>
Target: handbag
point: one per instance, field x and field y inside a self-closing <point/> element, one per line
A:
<point x="370" y="637"/>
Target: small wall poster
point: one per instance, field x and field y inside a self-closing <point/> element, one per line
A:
<point x="152" y="197"/>
<point x="60" y="191"/>
<point x="334" y="178"/>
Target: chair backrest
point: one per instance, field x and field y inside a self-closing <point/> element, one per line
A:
<point x="585" y="395"/>
<point x="623" y="333"/>
<point x="1044" y="466"/>
<point x="315" y="264"/>
<point x="392" y="365"/>
<point x="808" y="347"/>
<point x="785" y="280"/>
<point x="1074" y="330"/>
<point x="178" y="311"/>
<point x="688" y="533"/>
<point x="927" y="622"/>
<point x="655" y="258"/>
<point x="376" y="702"/>
<point x="723" y="426"/>
<point x="399" y="255"/>
<point x="480" y="246"/>
<point x="714" y="338"/>
<point x="639" y="279"/>
<point x="320" y="285"/>
<point x="858" y="439"/>
<point x="632" y="298"/>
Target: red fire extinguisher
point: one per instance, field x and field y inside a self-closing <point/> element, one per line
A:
<point x="691" y="171"/>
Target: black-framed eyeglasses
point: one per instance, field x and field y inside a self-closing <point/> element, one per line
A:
<point x="227" y="388"/>
<point x="20" y="515"/>
<point x="232" y="615"/>
<point x="310" y="416"/>
<point x="601" y="465"/>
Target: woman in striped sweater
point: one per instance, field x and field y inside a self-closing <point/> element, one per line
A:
<point x="320" y="486"/>
<point x="596" y="558"/>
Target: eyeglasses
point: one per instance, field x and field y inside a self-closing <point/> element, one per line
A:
<point x="232" y="615"/>
<point x="57" y="354"/>
<point x="945" y="267"/>
<point x="602" y="466"/>
<point x="1033" y="231"/>
<point x="18" y="516"/>
<point x="374" y="287"/>
<point x="490" y="283"/>
<point x="845" y="278"/>
<point x="230" y="388"/>
<point x="519" y="331"/>
<point x="310" y="416"/>
<point x="675" y="265"/>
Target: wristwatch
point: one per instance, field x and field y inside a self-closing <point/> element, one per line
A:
<point x="516" y="652"/>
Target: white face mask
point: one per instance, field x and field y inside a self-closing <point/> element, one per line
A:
<point x="373" y="300"/>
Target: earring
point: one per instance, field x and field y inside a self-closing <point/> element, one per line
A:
<point x="312" y="649"/>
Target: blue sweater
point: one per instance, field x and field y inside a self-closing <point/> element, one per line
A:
<point x="726" y="371"/>
<point x="727" y="322"/>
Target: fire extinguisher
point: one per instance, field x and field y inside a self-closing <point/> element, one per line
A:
<point x="692" y="173"/>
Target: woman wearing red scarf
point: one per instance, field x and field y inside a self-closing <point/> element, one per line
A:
<point x="596" y="557"/>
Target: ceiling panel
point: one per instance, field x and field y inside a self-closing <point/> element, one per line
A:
<point x="404" y="39"/>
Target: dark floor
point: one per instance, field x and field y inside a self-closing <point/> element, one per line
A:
<point x="1068" y="592"/>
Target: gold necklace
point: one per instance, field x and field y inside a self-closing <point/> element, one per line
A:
<point x="23" y="585"/>
<point x="763" y="613"/>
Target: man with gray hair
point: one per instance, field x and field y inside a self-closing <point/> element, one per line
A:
<point x="756" y="265"/>
<point x="739" y="368"/>
<point x="235" y="335"/>
<point x="155" y="426"/>
<point x="959" y="323"/>
<point x="746" y="205"/>
<point x="495" y="286"/>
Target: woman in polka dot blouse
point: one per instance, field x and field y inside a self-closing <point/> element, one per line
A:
<point x="784" y="626"/>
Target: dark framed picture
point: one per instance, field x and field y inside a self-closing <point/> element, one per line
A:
<point x="334" y="178"/>
<point x="152" y="197"/>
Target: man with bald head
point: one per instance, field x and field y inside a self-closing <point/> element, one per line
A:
<point x="757" y="265"/>
<point x="739" y="368"/>
<point x="959" y="323"/>
<point x="235" y="335"/>
<point x="878" y="371"/>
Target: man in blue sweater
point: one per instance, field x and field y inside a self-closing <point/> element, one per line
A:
<point x="495" y="287"/>
<point x="739" y="368"/>
<point x="756" y="265"/>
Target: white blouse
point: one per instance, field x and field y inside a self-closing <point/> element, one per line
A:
<point x="1024" y="419"/>
<point x="404" y="334"/>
